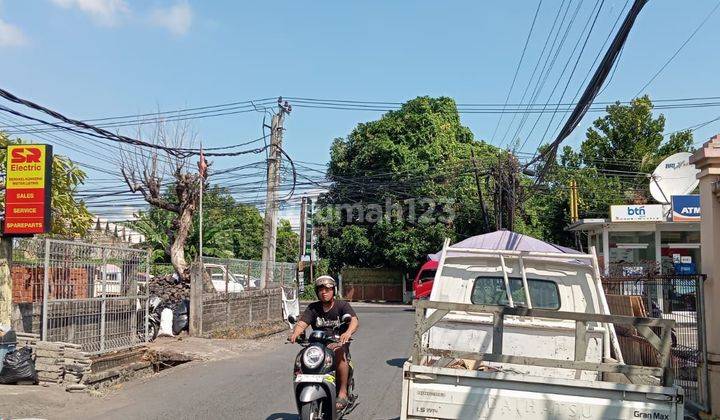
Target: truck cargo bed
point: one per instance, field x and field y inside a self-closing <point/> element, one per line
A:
<point x="451" y="393"/>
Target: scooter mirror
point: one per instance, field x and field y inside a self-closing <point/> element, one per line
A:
<point x="346" y="319"/>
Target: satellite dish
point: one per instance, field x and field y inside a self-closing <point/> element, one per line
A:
<point x="673" y="176"/>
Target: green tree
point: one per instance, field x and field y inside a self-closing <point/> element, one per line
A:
<point x="154" y="224"/>
<point x="611" y="167"/>
<point x="230" y="230"/>
<point x="401" y="185"/>
<point x="629" y="138"/>
<point x="70" y="216"/>
<point x="288" y="243"/>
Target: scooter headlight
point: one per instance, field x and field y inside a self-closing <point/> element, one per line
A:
<point x="313" y="356"/>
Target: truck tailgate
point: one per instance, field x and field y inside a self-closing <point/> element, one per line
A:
<point x="446" y="393"/>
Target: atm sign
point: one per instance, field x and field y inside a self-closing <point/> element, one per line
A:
<point x="27" y="194"/>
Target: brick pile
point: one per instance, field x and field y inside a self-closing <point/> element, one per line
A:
<point x="27" y="284"/>
<point x="64" y="283"/>
<point x="57" y="362"/>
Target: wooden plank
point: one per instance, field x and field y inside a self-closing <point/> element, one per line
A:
<point x="638" y="307"/>
<point x="545" y="313"/>
<point x="581" y="341"/>
<point x="650" y="336"/>
<point x="665" y="343"/>
<point x="428" y="322"/>
<point x="551" y="363"/>
<point x="506" y="281"/>
<point x="417" y="339"/>
<point x="497" y="342"/>
<point x="620" y="305"/>
<point x="528" y="301"/>
<point x="604" y="305"/>
<point x="580" y="344"/>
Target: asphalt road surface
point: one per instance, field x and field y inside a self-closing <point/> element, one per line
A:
<point x="258" y="385"/>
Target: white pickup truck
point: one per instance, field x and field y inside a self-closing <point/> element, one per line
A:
<point x="528" y="335"/>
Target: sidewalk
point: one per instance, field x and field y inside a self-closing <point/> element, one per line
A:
<point x="33" y="401"/>
<point x="187" y="348"/>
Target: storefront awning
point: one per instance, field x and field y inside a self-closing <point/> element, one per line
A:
<point x="587" y="224"/>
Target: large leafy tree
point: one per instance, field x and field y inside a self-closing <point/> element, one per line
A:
<point x="401" y="185"/>
<point x="630" y="138"/>
<point x="611" y="167"/>
<point x="70" y="216"/>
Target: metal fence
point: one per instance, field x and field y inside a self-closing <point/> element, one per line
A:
<point x="676" y="297"/>
<point x="248" y="273"/>
<point x="92" y="295"/>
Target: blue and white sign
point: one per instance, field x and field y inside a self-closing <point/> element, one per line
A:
<point x="637" y="213"/>
<point x="686" y="208"/>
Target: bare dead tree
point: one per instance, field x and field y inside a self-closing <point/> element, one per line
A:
<point x="150" y="172"/>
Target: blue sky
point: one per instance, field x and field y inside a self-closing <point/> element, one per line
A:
<point x="98" y="58"/>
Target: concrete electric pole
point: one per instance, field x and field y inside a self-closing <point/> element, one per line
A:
<point x="271" y="199"/>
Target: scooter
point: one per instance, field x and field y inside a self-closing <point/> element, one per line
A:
<point x="314" y="381"/>
<point x="154" y="310"/>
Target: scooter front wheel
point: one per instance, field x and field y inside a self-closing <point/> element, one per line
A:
<point x="153" y="331"/>
<point x="315" y="410"/>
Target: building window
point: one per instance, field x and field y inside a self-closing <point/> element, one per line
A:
<point x="632" y="247"/>
<point x="680" y="237"/>
<point x="544" y="294"/>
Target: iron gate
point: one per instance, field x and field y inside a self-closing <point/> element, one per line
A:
<point x="676" y="297"/>
<point x="94" y="295"/>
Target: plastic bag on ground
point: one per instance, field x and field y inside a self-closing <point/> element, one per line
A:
<point x="18" y="366"/>
<point x="181" y="319"/>
<point x="166" y="323"/>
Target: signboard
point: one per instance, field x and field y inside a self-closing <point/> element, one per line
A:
<point x="27" y="189"/>
<point x="686" y="208"/>
<point x="637" y="213"/>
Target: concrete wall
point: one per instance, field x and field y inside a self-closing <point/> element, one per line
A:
<point x="372" y="284"/>
<point x="235" y="310"/>
<point x="27" y="317"/>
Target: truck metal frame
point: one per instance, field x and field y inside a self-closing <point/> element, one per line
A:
<point x="662" y="344"/>
<point x="498" y="391"/>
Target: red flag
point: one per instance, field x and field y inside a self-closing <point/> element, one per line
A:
<point x="202" y="165"/>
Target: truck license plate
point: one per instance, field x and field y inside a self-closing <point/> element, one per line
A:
<point x="309" y="378"/>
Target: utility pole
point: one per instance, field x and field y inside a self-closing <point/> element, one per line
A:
<point x="486" y="222"/>
<point x="271" y="199"/>
<point x="573" y="202"/>
<point x="303" y="215"/>
<point x="312" y="269"/>
<point x="574" y="212"/>
<point x="202" y="174"/>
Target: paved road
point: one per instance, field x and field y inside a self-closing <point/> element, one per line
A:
<point x="257" y="386"/>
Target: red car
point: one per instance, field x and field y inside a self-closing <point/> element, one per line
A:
<point x="422" y="285"/>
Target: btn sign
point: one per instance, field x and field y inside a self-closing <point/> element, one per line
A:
<point x="27" y="189"/>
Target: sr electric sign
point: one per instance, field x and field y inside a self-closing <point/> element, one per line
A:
<point x="27" y="189"/>
<point x="637" y="213"/>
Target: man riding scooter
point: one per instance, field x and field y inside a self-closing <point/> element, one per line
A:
<point x="327" y="314"/>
